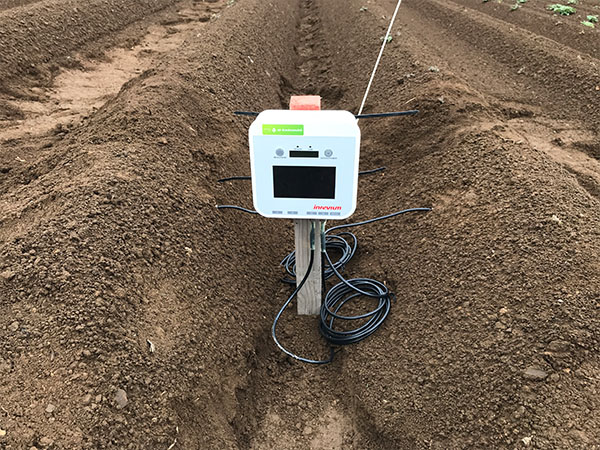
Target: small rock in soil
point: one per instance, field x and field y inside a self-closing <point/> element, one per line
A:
<point x="121" y="398"/>
<point x="7" y="275"/>
<point x="500" y="326"/>
<point x="46" y="442"/>
<point x="50" y="408"/>
<point x="558" y="346"/>
<point x="519" y="412"/>
<point x="533" y="373"/>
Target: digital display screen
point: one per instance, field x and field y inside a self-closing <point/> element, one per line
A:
<point x="304" y="182"/>
<point x="303" y="154"/>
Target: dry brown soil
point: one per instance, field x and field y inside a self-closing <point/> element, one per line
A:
<point x="134" y="314"/>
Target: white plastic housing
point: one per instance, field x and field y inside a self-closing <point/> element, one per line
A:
<point x="305" y="164"/>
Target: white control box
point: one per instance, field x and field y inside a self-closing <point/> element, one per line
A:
<point x="305" y="164"/>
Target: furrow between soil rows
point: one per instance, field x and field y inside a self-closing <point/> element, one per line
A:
<point x="47" y="30"/>
<point x="114" y="241"/>
<point x="141" y="314"/>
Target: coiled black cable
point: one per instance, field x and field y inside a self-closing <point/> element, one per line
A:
<point x="342" y="293"/>
<point x="344" y="244"/>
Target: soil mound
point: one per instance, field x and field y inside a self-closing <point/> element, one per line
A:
<point x="134" y="314"/>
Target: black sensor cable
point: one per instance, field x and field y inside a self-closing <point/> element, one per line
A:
<point x="342" y="293"/>
<point x="247" y="178"/>
<point x="344" y="244"/>
<point x="358" y="116"/>
<point x="291" y="297"/>
<point x="238" y="208"/>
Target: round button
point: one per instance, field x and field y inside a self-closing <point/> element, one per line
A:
<point x="329" y="153"/>
<point x="279" y="152"/>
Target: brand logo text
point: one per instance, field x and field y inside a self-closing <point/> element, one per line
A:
<point x="327" y="208"/>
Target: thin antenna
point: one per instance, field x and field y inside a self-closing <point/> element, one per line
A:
<point x="385" y="39"/>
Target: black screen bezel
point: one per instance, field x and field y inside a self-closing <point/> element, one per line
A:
<point x="304" y="182"/>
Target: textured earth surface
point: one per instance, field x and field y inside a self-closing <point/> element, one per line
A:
<point x="134" y="314"/>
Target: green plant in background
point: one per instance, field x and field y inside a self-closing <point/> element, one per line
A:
<point x="563" y="10"/>
<point x="572" y="2"/>
<point x="517" y="5"/>
<point x="588" y="24"/>
<point x="593" y="19"/>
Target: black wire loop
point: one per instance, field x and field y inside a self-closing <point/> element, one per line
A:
<point x="343" y="244"/>
<point x="346" y="291"/>
<point x="343" y="293"/>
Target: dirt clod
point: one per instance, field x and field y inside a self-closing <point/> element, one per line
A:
<point x="46" y="442"/>
<point x="7" y="274"/>
<point x="121" y="398"/>
<point x="533" y="373"/>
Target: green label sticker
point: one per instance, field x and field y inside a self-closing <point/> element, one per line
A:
<point x="283" y="130"/>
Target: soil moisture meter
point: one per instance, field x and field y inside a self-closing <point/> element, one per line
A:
<point x="305" y="164"/>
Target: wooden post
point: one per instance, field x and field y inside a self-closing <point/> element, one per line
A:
<point x="309" y="297"/>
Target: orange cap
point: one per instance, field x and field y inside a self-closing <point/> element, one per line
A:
<point x="305" y="103"/>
